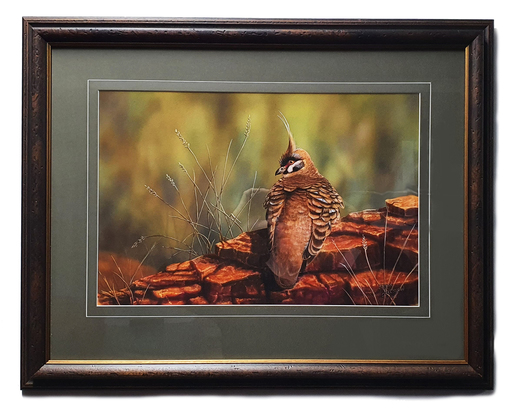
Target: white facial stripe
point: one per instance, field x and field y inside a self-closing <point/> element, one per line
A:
<point x="297" y="165"/>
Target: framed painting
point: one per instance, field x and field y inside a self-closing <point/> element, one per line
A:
<point x="287" y="203"/>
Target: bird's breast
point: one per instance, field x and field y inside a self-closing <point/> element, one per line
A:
<point x="291" y="236"/>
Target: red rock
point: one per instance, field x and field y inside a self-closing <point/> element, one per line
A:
<point x="381" y="218"/>
<point x="168" y="301"/>
<point x="279" y="296"/>
<point x="250" y="248"/>
<point x="403" y="206"/>
<point x="408" y="238"/>
<point x="114" y="297"/>
<point x="345" y="252"/>
<point x="206" y="265"/>
<point x="167" y="279"/>
<point x="402" y="253"/>
<point x="335" y="284"/>
<point x="365" y="216"/>
<point x="249" y="301"/>
<point x="233" y="281"/>
<point x="177" y="275"/>
<point x="383" y="288"/>
<point x="136" y="294"/>
<point x="198" y="301"/>
<point x="218" y="294"/>
<point x="178" y="293"/>
<point x="180" y="267"/>
<point x="145" y="301"/>
<point x="378" y="233"/>
<point x="399" y="222"/>
<point x="308" y="290"/>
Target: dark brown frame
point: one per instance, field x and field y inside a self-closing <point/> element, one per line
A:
<point x="41" y="35"/>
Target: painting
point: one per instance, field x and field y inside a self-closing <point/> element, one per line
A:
<point x="160" y="249"/>
<point x="258" y="198"/>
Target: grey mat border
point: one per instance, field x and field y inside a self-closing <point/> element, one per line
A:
<point x="422" y="310"/>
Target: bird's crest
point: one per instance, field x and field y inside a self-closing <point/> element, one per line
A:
<point x="291" y="143"/>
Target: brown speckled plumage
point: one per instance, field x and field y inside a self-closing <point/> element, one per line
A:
<point x="301" y="208"/>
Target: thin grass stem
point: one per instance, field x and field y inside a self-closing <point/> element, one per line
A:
<point x="349" y="268"/>
<point x="403" y="283"/>
<point x="399" y="255"/>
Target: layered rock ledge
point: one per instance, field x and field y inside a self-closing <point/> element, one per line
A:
<point x="370" y="258"/>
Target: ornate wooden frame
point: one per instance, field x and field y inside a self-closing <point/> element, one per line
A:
<point x="41" y="35"/>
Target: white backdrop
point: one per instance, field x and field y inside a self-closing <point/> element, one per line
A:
<point x="506" y="270"/>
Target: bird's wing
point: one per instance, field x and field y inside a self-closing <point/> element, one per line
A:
<point x="324" y="204"/>
<point x="274" y="203"/>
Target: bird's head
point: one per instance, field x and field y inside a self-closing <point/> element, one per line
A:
<point x="294" y="161"/>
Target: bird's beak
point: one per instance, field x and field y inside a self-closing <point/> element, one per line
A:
<point x="281" y="170"/>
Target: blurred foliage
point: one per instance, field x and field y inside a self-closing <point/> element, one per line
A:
<point x="366" y="145"/>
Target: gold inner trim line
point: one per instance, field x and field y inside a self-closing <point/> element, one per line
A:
<point x="255" y="361"/>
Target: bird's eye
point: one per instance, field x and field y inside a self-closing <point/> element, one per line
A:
<point x="291" y="162"/>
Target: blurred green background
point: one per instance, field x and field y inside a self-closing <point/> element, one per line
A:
<point x="366" y="145"/>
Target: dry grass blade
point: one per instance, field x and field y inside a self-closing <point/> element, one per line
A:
<point x="349" y="268"/>
<point x="403" y="283"/>
<point x="120" y="275"/>
<point x="144" y="293"/>
<point x="112" y="292"/>
<point x="206" y="214"/>
<point x="365" y="247"/>
<point x="246" y="137"/>
<point x="399" y="256"/>
<point x="142" y="262"/>
<point x="205" y="203"/>
<point x="350" y="297"/>
<point x="188" y="146"/>
<point x="384" y="254"/>
<point x="155" y="194"/>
